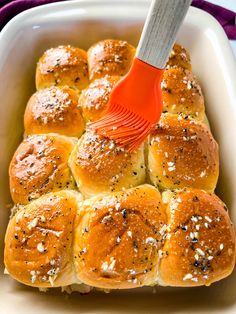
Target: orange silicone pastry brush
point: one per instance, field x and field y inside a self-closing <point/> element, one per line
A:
<point x="135" y="103"/>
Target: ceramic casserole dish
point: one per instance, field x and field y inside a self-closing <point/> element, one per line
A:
<point x="82" y="23"/>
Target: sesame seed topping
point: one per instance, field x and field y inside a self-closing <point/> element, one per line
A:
<point x="171" y="168"/>
<point x="40" y="247"/>
<point x="151" y="241"/>
<point x="194" y="219"/>
<point x="202" y="174"/>
<point x="208" y="219"/>
<point x="221" y="246"/>
<point x="129" y="234"/>
<point x="163" y="85"/>
<point x="187" y="276"/>
<point x="163" y="230"/>
<point x="106" y="219"/>
<point x="194" y="279"/>
<point x="200" y="251"/>
<point x="33" y="223"/>
<point x="189" y="85"/>
<point x="117" y="206"/>
<point x="33" y="278"/>
<point x="108" y="267"/>
<point x="196" y="256"/>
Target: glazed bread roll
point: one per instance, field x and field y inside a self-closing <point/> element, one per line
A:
<point x="99" y="166"/>
<point x="131" y="225"/>
<point x="54" y="110"/>
<point x="125" y="234"/>
<point x="179" y="57"/>
<point x="110" y="56"/>
<point x="123" y="240"/>
<point x="94" y="99"/>
<point x="182" y="153"/>
<point x="39" y="238"/>
<point x="39" y="166"/>
<point x="182" y="93"/>
<point x="200" y="247"/>
<point x="63" y="65"/>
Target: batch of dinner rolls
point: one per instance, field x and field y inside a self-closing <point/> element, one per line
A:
<point x="91" y="214"/>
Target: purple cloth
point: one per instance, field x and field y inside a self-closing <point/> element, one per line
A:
<point x="225" y="17"/>
<point x="8" y="9"/>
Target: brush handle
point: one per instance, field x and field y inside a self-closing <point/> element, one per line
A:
<point x="160" y="30"/>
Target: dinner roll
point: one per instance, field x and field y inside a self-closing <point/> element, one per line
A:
<point x="179" y="57"/>
<point x="38" y="243"/>
<point x="182" y="93"/>
<point x="54" y="110"/>
<point x="63" y="65"/>
<point x="117" y="238"/>
<point x="99" y="166"/>
<point x="94" y="99"/>
<point x="200" y="246"/>
<point x="110" y="56"/>
<point x="182" y="153"/>
<point x="39" y="166"/>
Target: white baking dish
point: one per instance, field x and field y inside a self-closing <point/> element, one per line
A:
<point x="81" y="23"/>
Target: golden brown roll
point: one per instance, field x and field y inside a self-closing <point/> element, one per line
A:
<point x="94" y="99"/>
<point x="183" y="153"/>
<point x="179" y="57"/>
<point x="117" y="238"/>
<point x="54" y="110"/>
<point x="99" y="166"/>
<point x="39" y="166"/>
<point x="125" y="234"/>
<point x="38" y="243"/>
<point x="110" y="56"/>
<point x="200" y="246"/>
<point x="182" y="93"/>
<point x="63" y="65"/>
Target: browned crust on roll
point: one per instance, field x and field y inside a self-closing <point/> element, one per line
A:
<point x="201" y="246"/>
<point x="94" y="99"/>
<point x="38" y="243"/>
<point x="181" y="93"/>
<point x="110" y="56"/>
<point x="54" y="110"/>
<point x="183" y="153"/>
<point x="118" y="237"/>
<point x="63" y="65"/>
<point x="39" y="166"/>
<point x="179" y="57"/>
<point x="100" y="166"/>
<point x="126" y="235"/>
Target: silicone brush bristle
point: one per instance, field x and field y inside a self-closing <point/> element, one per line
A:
<point x="126" y="128"/>
<point x="135" y="106"/>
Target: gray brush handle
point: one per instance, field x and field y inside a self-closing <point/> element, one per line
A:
<point x="160" y="30"/>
